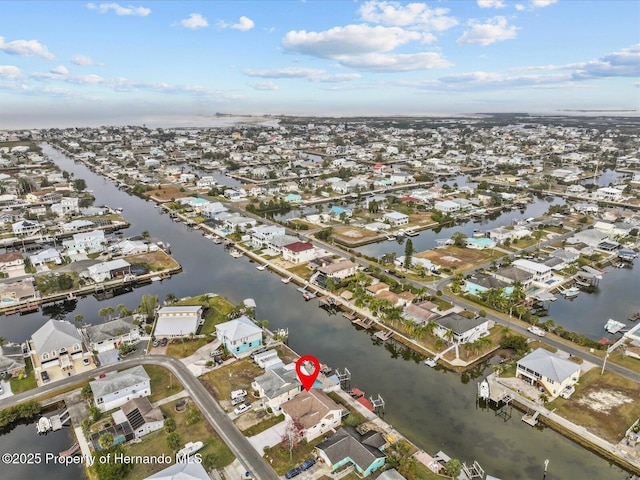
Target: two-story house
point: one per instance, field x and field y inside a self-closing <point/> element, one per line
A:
<point x="240" y="335"/>
<point x="548" y="371"/>
<point x="178" y="321"/>
<point x="112" y="391"/>
<point x="315" y="411"/>
<point x="277" y="386"/>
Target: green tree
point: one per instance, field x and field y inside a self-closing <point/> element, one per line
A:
<point x="106" y="312"/>
<point x="210" y="461"/>
<point x="174" y="441"/>
<point x="169" y="425"/>
<point x="170" y="298"/>
<point x="106" y="468"/>
<point x="408" y="253"/>
<point x="78" y="318"/>
<point x="148" y="305"/>
<point x="80" y="185"/>
<point x="122" y="310"/>
<point x="453" y="468"/>
<point x="105" y="440"/>
<point x="86" y="393"/>
<point x="459" y="239"/>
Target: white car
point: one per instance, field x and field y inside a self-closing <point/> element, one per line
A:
<point x="238" y="394"/>
<point x="240" y="409"/>
<point x="536" y="331"/>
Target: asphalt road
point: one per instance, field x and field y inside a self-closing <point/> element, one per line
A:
<point x="209" y="407"/>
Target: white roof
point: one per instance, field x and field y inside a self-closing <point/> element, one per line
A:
<point x="395" y="215"/>
<point x="181" y="471"/>
<point x="531" y="266"/>
<point x="237" y="329"/>
<point x="118" y="381"/>
<point x="549" y="365"/>
<point x="108" y="266"/>
<point x="54" y="335"/>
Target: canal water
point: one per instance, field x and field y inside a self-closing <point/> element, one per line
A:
<point x="434" y="408"/>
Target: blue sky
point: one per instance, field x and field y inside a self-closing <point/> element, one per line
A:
<point x="92" y="63"/>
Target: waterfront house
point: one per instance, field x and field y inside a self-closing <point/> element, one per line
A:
<point x="50" y="255"/>
<point x="11" y="360"/>
<point x="261" y="234"/>
<point x="446" y="206"/>
<point x="609" y="194"/>
<point x="87" y="242"/>
<point x="464" y="329"/>
<point x="240" y="335"/>
<point x="66" y="206"/>
<point x="541" y="273"/>
<point x="110" y="335"/>
<point x="12" y="264"/>
<point x="277" y="386"/>
<point x="299" y="252"/>
<point x="17" y="290"/>
<point x="395" y="219"/>
<point x="135" y="247"/>
<point x="337" y="271"/>
<point x="212" y="209"/>
<point x="347" y="446"/>
<point x="514" y="274"/>
<point x="143" y="417"/>
<point x="76" y="225"/>
<point x="57" y="348"/>
<point x="421" y="313"/>
<point x="108" y="270"/>
<point x="548" y="371"/>
<point x="25" y="227"/>
<point x="114" y="390"/>
<point x="178" y="321"/>
<point x="315" y="411"/>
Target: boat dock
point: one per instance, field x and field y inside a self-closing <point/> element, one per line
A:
<point x="531" y="419"/>
<point x="362" y="322"/>
<point x="384" y="335"/>
<point x="53" y="423"/>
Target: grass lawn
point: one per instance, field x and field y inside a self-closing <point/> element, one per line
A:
<point x="605" y="404"/>
<point x="619" y="358"/>
<point x="217" y="312"/>
<point x="263" y="425"/>
<point x="286" y="354"/>
<point x="301" y="271"/>
<point x="155" y="443"/>
<point x="235" y="376"/>
<point x="156" y="261"/>
<point x="26" y="381"/>
<point x="278" y="456"/>
<point x="162" y="383"/>
<point x="354" y="418"/>
<point x="186" y="348"/>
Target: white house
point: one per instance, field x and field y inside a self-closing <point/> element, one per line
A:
<point x="26" y="227"/>
<point x="107" y="270"/>
<point x="609" y="194"/>
<point x="110" y="335"/>
<point x="143" y="417"/>
<point x="277" y="386"/>
<point x="548" y="371"/>
<point x="239" y="335"/>
<point x="45" y="256"/>
<point x="464" y="329"/>
<point x="114" y="390"/>
<point x="261" y="234"/>
<point x="315" y="411"/>
<point x="395" y="218"/>
<point x="178" y="321"/>
<point x="89" y="242"/>
<point x="541" y="273"/>
<point x="446" y="206"/>
<point x="299" y="252"/>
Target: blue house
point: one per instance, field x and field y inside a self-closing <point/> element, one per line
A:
<point x="364" y="452"/>
<point x="478" y="283"/>
<point x="240" y="335"/>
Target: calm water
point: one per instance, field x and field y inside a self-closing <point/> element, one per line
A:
<point x="433" y="408"/>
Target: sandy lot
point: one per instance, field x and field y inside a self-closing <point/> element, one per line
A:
<point x="454" y="257"/>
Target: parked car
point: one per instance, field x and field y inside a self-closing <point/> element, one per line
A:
<point x="164" y="341"/>
<point x="294" y="472"/>
<point x="1" y="389"/>
<point x="45" y="376"/>
<point x="239" y="410"/>
<point x="308" y="464"/>
<point x="237" y="401"/>
<point x="156" y="342"/>
<point x="238" y="393"/>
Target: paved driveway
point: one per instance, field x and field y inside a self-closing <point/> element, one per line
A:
<point x="270" y="437"/>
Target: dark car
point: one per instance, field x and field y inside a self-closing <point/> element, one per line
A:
<point x="45" y="376"/>
<point x="308" y="464"/>
<point x="163" y="342"/>
<point x="294" y="472"/>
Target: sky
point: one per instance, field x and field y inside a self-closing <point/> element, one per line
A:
<point x="78" y="63"/>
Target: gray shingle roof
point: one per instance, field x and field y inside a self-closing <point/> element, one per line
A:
<point x="363" y="450"/>
<point x="549" y="365"/>
<point x="459" y="323"/>
<point x="11" y="357"/>
<point x="108" y="330"/>
<point x="54" y="335"/>
<point x="278" y="381"/>
<point x="118" y="381"/>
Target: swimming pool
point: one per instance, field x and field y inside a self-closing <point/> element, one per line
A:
<point x="481" y="242"/>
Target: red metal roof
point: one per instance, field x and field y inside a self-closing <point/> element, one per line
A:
<point x="299" y="246"/>
<point x="365" y="403"/>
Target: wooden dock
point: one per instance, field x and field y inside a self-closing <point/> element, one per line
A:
<point x="363" y="322"/>
<point x="349" y="315"/>
<point x="531" y="419"/>
<point x="384" y="335"/>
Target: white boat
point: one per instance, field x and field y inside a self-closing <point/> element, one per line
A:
<point x="156" y="278"/>
<point x="261" y="267"/>
<point x="286" y="280"/>
<point x="536" y="331"/>
<point x="571" y="292"/>
<point x="43" y="426"/>
<point x="613" y="326"/>
<point x="411" y="233"/>
<point x="189" y="449"/>
<point x="431" y="362"/>
<point x="483" y="390"/>
<point x="235" y="253"/>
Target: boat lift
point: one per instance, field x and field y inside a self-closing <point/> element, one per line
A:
<point x="344" y="378"/>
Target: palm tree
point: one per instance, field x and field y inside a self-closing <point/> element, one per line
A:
<point x="78" y="318"/>
<point x="449" y="335"/>
<point x="106" y="312"/>
<point x="123" y="310"/>
<point x="145" y="234"/>
<point x="105" y="440"/>
<point x="148" y="306"/>
<point x="170" y="298"/>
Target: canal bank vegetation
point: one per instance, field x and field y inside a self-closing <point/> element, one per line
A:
<point x="216" y="309"/>
<point x="23" y="412"/>
<point x="154" y="261"/>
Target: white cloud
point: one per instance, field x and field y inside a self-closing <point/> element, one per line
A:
<point x="264" y="86"/>
<point x="119" y="9"/>
<point x="84" y="61"/>
<point x="542" y="3"/>
<point x="90" y="79"/>
<point x="311" y="74"/>
<point x="495" y="30"/>
<point x="625" y="63"/>
<point x="381" y="62"/>
<point x="520" y="7"/>
<point x="244" y="24"/>
<point x="348" y="40"/>
<point x="409" y="15"/>
<point x="60" y="70"/>
<point x="10" y="72"/>
<point x="26" y="48"/>
<point x="194" y="21"/>
<point x="491" y="3"/>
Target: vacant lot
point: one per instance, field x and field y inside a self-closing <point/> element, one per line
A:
<point x="156" y="261"/>
<point x="165" y="193"/>
<point x="238" y="375"/>
<point x="458" y="258"/>
<point x="605" y="404"/>
<point x="352" y="234"/>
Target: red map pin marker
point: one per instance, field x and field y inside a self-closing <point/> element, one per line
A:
<point x="307" y="380"/>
